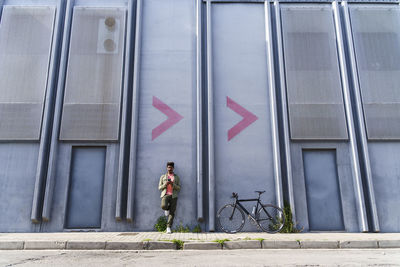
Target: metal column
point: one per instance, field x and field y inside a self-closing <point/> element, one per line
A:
<point x="360" y="119"/>
<point x="123" y="149"/>
<point x="135" y="116"/>
<point x="273" y="109"/>
<point x="51" y="171"/>
<point x="363" y="225"/>
<point x="210" y="105"/>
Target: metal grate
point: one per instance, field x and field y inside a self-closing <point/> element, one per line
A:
<point x="376" y="32"/>
<point x="314" y="90"/>
<point x="25" y="46"/>
<point x="94" y="75"/>
<point x="90" y="122"/>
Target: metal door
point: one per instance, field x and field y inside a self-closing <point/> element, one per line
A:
<point x="85" y="195"/>
<point x="322" y="189"/>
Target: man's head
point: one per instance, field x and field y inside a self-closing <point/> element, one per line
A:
<point x="170" y="166"/>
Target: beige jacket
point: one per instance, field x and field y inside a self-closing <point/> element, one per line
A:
<point x="176" y="186"/>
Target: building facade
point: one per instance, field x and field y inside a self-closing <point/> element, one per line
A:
<point x="297" y="98"/>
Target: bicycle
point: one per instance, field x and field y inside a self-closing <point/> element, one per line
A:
<point x="268" y="217"/>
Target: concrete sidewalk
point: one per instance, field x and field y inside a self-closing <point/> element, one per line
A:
<point x="156" y="241"/>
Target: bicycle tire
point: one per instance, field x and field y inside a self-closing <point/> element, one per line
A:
<point x="273" y="222"/>
<point x="228" y="225"/>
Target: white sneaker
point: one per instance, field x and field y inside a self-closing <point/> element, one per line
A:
<point x="169" y="230"/>
<point x="166" y="212"/>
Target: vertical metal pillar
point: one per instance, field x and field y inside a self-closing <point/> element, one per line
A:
<point x="123" y="147"/>
<point x="210" y="105"/>
<point x="363" y="226"/>
<point x="272" y="104"/>
<point x="135" y="116"/>
<point x="285" y="118"/>
<point x="199" y="98"/>
<point x="1" y="8"/>
<point x="51" y="169"/>
<point x="360" y="119"/>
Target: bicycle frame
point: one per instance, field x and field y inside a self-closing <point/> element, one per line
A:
<point x="237" y="203"/>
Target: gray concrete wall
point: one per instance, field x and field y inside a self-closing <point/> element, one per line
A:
<point x="243" y="160"/>
<point x="346" y="187"/>
<point x="167" y="75"/>
<point x="167" y="81"/>
<point x="17" y="181"/>
<point x="384" y="157"/>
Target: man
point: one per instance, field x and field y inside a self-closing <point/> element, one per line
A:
<point x="170" y="186"/>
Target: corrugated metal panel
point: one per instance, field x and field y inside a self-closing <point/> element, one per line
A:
<point x="25" y="44"/>
<point x="319" y="118"/>
<point x="94" y="75"/>
<point x="376" y="32"/>
<point x="314" y="91"/>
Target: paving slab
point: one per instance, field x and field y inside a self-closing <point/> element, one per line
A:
<point x="315" y="244"/>
<point x="12" y="245"/>
<point x="359" y="244"/>
<point x="153" y="245"/>
<point x="389" y="243"/>
<point x="45" y="244"/>
<point x="274" y="244"/>
<point x="120" y="245"/>
<point x="202" y="245"/>
<point x="245" y="244"/>
<point x="85" y="245"/>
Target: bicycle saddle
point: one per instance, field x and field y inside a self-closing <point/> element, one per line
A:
<point x="260" y="192"/>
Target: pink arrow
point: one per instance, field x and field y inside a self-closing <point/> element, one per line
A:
<point x="248" y="118"/>
<point x="173" y="118"/>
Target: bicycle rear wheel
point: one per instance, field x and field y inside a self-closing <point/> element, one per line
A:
<point x="270" y="218"/>
<point x="230" y="219"/>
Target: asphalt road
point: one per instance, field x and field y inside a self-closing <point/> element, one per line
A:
<point x="278" y="257"/>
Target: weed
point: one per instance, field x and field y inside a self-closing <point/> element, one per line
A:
<point x="161" y="224"/>
<point x="197" y="229"/>
<point x="247" y="238"/>
<point x="145" y="240"/>
<point x="221" y="241"/>
<point x="182" y="229"/>
<point x="290" y="226"/>
<point x="178" y="243"/>
<point x="260" y="239"/>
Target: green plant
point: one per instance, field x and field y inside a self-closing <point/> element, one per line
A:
<point x="247" y="238"/>
<point x="290" y="226"/>
<point x="221" y="241"/>
<point x="197" y="229"/>
<point x="145" y="240"/>
<point x="161" y="224"/>
<point x="178" y="243"/>
<point x="182" y="229"/>
<point x="260" y="239"/>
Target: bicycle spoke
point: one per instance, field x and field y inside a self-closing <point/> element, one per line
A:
<point x="270" y="218"/>
<point x="230" y="219"/>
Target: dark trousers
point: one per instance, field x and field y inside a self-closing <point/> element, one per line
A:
<point x="169" y="203"/>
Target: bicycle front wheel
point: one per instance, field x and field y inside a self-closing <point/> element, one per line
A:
<point x="230" y="218"/>
<point x="270" y="218"/>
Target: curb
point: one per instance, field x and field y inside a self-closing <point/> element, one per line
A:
<point x="271" y="244"/>
<point x="247" y="244"/>
<point x="202" y="245"/>
<point x="359" y="244"/>
<point x="11" y="245"/>
<point x="319" y="244"/>
<point x="193" y="245"/>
